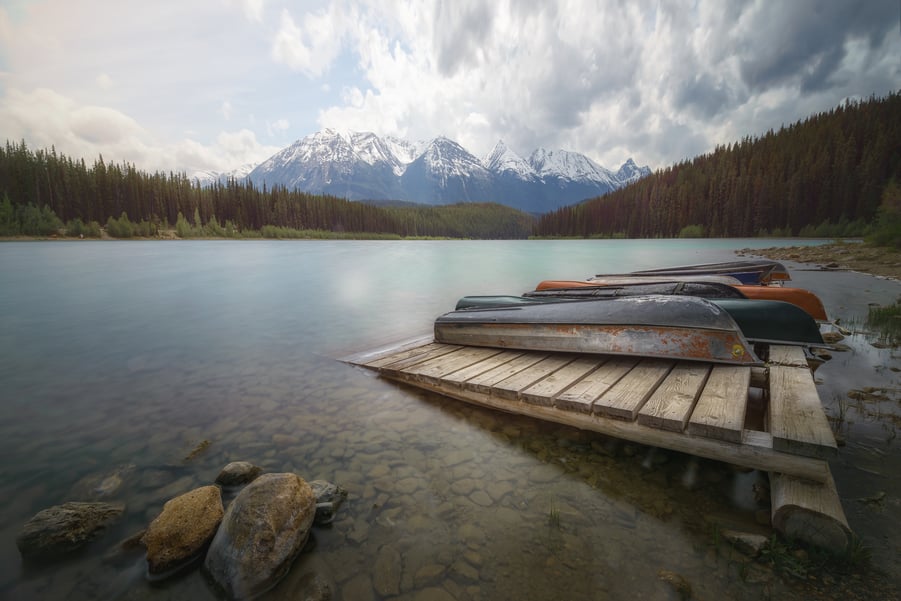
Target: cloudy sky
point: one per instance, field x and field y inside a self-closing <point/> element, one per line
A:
<point x="211" y="84"/>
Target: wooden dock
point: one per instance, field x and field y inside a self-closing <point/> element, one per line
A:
<point x="767" y="418"/>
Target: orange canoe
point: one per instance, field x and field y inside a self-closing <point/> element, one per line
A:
<point x="799" y="297"/>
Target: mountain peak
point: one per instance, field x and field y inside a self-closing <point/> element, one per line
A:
<point x="363" y="165"/>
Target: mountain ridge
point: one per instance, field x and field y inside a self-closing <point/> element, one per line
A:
<point x="363" y="166"/>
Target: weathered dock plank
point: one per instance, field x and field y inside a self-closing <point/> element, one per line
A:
<point x="449" y="363"/>
<point x="476" y="369"/>
<point x="544" y="391"/>
<point x="671" y="404"/>
<point x="484" y="381"/>
<point x="581" y="396"/>
<point x="433" y="350"/>
<point x="796" y="418"/>
<point x="511" y="387"/>
<point x="720" y="410"/>
<point x="625" y="398"/>
<point x="792" y="356"/>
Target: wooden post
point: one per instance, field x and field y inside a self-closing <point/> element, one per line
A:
<point x="810" y="512"/>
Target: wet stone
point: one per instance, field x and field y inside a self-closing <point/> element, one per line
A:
<point x="544" y="474"/>
<point x="387" y="571"/>
<point x="238" y="473"/>
<point x="61" y="529"/>
<point x="428" y="574"/>
<point x="480" y="497"/>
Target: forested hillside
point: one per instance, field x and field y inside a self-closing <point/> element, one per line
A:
<point x="829" y="171"/>
<point x="37" y="187"/>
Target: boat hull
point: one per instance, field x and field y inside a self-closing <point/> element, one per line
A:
<point x="652" y="326"/>
<point x="750" y="271"/>
<point x="768" y="321"/>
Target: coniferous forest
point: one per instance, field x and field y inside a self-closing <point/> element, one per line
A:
<point x="828" y="173"/>
<point x="833" y="174"/>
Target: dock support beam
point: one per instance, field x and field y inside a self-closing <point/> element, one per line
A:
<point x="809" y="512"/>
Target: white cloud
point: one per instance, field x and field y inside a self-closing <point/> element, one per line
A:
<point x="253" y="9"/>
<point x="46" y="118"/>
<point x="312" y="46"/>
<point x="276" y="127"/>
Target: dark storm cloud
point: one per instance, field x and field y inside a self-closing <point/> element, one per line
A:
<point x="803" y="41"/>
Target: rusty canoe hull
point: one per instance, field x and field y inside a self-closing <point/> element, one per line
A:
<point x="672" y="327"/>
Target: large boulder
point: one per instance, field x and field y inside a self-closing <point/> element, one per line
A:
<point x="263" y="531"/>
<point x="64" y="528"/>
<point x="181" y="532"/>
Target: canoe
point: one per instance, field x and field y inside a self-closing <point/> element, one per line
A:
<point x="799" y="297"/>
<point x="674" y="327"/>
<point x="750" y="271"/>
<point x="616" y="280"/>
<point x="587" y="290"/>
<point x="767" y="321"/>
<point x="805" y="299"/>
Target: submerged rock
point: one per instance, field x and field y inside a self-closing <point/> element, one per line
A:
<point x="182" y="531"/>
<point x="97" y="486"/>
<point x="329" y="497"/>
<point x="238" y="473"/>
<point x="64" y="528"/>
<point x="263" y="531"/>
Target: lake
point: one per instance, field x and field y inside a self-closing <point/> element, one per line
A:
<point x="119" y="359"/>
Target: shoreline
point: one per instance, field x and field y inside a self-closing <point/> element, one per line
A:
<point x="878" y="261"/>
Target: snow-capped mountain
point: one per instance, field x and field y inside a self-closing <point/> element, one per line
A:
<point x="207" y="178"/>
<point x="363" y="166"/>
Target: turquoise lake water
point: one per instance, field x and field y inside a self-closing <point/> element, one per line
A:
<point x="120" y="358"/>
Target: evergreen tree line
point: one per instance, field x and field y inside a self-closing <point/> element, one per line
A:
<point x="827" y="174"/>
<point x="45" y="191"/>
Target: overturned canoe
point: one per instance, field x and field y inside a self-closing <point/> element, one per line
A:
<point x="617" y="280"/>
<point x="769" y="321"/>
<point x="679" y="327"/>
<point x="749" y="271"/>
<point x="564" y="289"/>
<point x="806" y="300"/>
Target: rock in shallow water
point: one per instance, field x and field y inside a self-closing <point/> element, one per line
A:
<point x="61" y="529"/>
<point x="182" y="531"/>
<point x="329" y="497"/>
<point x="238" y="473"/>
<point x="262" y="532"/>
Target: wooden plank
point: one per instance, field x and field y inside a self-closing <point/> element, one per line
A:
<point x="362" y="358"/>
<point x="671" y="404"/>
<point x="796" y="418"/>
<point x="810" y="512"/>
<point x="434" y="351"/>
<point x="460" y="376"/>
<point x="720" y="410"/>
<point x="384" y="360"/>
<point x="511" y="387"/>
<point x="582" y="395"/>
<point x="447" y="364"/>
<point x="760" y="457"/>
<point x="484" y="381"/>
<point x="625" y="398"/>
<point x="787" y="355"/>
<point x="544" y="391"/>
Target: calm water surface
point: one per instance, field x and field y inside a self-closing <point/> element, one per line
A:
<point x="119" y="358"/>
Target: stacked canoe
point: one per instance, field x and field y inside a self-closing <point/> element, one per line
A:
<point x="717" y="312"/>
